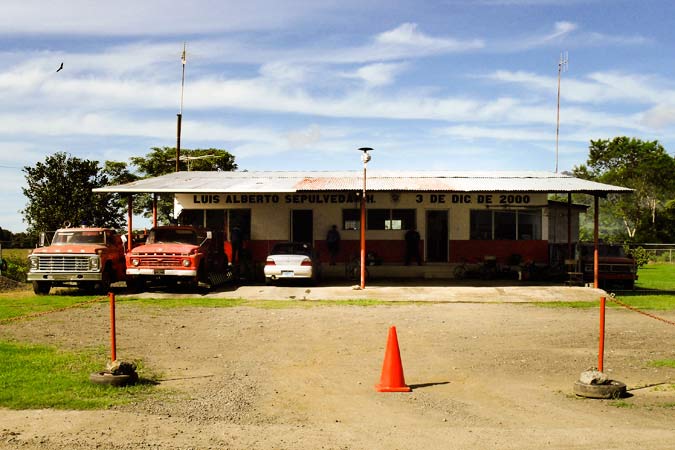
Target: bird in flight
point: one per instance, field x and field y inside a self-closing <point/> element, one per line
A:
<point x="60" y="68"/>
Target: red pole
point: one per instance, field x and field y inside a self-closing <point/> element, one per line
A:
<point x="363" y="230"/>
<point x="113" y="344"/>
<point x="154" y="210"/>
<point x="596" y="233"/>
<point x="130" y="214"/>
<point x="601" y="350"/>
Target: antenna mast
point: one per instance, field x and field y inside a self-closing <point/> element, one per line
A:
<point x="180" y="111"/>
<point x="562" y="66"/>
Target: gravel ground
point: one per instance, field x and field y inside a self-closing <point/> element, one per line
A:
<point x="484" y="374"/>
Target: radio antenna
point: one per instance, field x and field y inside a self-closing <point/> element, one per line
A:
<point x="563" y="66"/>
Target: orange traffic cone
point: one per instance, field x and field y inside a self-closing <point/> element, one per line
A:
<point x="392" y="379"/>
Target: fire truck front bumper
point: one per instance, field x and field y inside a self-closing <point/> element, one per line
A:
<point x="63" y="276"/>
<point x="137" y="272"/>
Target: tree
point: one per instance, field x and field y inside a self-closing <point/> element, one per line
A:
<point x="643" y="166"/>
<point x="60" y="191"/>
<point x="161" y="161"/>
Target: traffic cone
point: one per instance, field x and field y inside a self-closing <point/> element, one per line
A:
<point x="392" y="379"/>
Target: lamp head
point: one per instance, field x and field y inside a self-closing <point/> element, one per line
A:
<point x="366" y="156"/>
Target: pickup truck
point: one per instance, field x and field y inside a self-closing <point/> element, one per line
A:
<point x="616" y="268"/>
<point x="176" y="254"/>
<point x="87" y="257"/>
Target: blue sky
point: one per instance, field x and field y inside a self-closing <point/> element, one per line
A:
<point x="290" y="84"/>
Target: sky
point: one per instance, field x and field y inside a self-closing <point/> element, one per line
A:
<point x="297" y="85"/>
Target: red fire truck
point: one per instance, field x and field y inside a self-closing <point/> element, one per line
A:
<point x="178" y="254"/>
<point x="86" y="257"/>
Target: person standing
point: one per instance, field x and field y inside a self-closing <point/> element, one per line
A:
<point x="333" y="243"/>
<point x="236" y="240"/>
<point x="412" y="246"/>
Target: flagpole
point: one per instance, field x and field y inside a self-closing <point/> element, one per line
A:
<point x="180" y="113"/>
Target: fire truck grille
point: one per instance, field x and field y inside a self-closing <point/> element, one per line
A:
<point x="159" y="262"/>
<point x="58" y="263"/>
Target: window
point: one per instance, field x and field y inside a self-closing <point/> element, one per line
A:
<point x="351" y="219"/>
<point x="402" y="219"/>
<point x="481" y="225"/>
<point x="506" y="225"/>
<point x="390" y="219"/>
<point x="379" y="219"/>
<point x="529" y="225"/>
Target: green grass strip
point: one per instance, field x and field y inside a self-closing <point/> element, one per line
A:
<point x="36" y="376"/>
<point x="24" y="303"/>
<point x="663" y="363"/>
<point x="213" y="302"/>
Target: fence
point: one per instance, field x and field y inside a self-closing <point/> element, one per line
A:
<point x="658" y="252"/>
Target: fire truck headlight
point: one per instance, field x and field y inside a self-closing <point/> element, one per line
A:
<point x="136" y="262"/>
<point x="186" y="263"/>
<point x="33" y="262"/>
<point x="94" y="262"/>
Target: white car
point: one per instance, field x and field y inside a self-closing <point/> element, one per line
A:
<point x="292" y="260"/>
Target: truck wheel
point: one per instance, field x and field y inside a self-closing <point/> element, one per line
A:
<point x="103" y="286"/>
<point x="135" y="284"/>
<point x="41" y="287"/>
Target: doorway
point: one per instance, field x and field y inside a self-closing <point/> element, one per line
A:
<point x="437" y="236"/>
<point x="302" y="225"/>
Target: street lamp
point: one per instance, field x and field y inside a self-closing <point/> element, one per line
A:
<point x="365" y="157"/>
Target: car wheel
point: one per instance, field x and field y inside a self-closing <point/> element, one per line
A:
<point x="269" y="281"/>
<point x="42" y="287"/>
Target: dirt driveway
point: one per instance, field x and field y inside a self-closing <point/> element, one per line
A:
<point x="484" y="375"/>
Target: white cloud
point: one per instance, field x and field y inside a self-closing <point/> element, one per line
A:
<point x="402" y="42"/>
<point x="561" y="29"/>
<point x="567" y="33"/>
<point x="379" y="74"/>
<point x="596" y="88"/>
<point x="305" y="138"/>
<point x="154" y="17"/>
<point x="659" y="117"/>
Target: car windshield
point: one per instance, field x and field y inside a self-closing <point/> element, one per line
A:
<point x="292" y="248"/>
<point x="173" y="235"/>
<point x="79" y="237"/>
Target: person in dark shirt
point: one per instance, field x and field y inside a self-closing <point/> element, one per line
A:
<point x="333" y="243"/>
<point x="412" y="247"/>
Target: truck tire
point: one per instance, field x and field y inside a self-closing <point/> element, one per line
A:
<point x="612" y="390"/>
<point x="135" y="285"/>
<point x="42" y="287"/>
<point x="107" y="378"/>
<point x="103" y="286"/>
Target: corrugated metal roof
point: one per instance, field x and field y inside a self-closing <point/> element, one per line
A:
<point x="416" y="181"/>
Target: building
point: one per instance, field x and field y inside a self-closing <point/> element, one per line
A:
<point x="460" y="216"/>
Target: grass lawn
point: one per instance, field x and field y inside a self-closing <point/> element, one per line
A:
<point x="660" y="277"/>
<point x="654" y="290"/>
<point x="37" y="376"/>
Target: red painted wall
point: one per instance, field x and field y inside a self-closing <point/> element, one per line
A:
<point x="393" y="252"/>
<point x="475" y="251"/>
